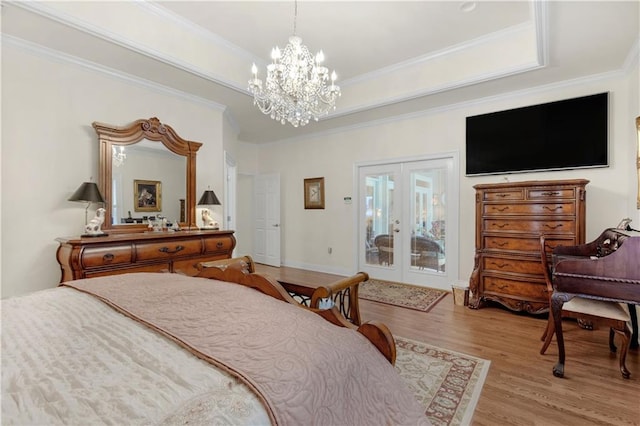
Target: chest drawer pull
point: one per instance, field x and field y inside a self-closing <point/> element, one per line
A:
<point x="550" y="193"/>
<point x="500" y="225"/>
<point x="108" y="257"/>
<point x="219" y="244"/>
<point x="501" y="209"/>
<point x="169" y="251"/>
<point x="500" y="266"/>
<point x="556" y="226"/>
<point x="555" y="209"/>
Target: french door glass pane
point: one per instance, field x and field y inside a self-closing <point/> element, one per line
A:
<point x="379" y="217"/>
<point x="427" y="243"/>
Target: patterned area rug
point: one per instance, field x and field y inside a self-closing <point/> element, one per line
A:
<point x="403" y="295"/>
<point x="447" y="383"/>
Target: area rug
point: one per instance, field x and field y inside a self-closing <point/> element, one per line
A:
<point x="403" y="295"/>
<point x="447" y="383"/>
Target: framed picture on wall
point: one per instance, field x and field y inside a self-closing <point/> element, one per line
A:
<point x="314" y="193"/>
<point x="147" y="195"/>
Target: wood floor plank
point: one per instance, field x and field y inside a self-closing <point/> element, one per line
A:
<point x="520" y="388"/>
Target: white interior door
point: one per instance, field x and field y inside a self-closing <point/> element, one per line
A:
<point x="266" y="247"/>
<point x="408" y="221"/>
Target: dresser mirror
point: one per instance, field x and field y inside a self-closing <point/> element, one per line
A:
<point x="147" y="172"/>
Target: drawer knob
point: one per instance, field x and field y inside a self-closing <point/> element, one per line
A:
<point x="219" y="244"/>
<point x="108" y="257"/>
<point x="169" y="251"/>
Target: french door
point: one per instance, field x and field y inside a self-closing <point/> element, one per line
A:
<point x="408" y="221"/>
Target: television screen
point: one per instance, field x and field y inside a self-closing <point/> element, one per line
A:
<point x="567" y="134"/>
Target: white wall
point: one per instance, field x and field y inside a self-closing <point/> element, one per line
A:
<point x="49" y="148"/>
<point x="308" y="233"/>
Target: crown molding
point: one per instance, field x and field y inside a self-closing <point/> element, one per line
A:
<point x="57" y="56"/>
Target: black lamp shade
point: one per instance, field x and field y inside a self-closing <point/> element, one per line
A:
<point x="87" y="192"/>
<point x="208" y="199"/>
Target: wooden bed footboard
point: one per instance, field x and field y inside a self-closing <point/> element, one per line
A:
<point x="241" y="270"/>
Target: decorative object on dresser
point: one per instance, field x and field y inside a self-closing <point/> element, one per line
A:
<point x="93" y="228"/>
<point x="142" y="252"/>
<point x="89" y="193"/>
<point x="208" y="199"/>
<point x="148" y="141"/>
<point x="509" y="220"/>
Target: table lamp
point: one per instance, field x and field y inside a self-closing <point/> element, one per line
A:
<point x="89" y="193"/>
<point x="208" y="199"/>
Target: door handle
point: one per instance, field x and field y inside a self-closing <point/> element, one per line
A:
<point x="396" y="230"/>
<point x="276" y="225"/>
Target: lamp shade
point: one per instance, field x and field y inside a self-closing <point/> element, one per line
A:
<point x="208" y="199"/>
<point x="87" y="192"/>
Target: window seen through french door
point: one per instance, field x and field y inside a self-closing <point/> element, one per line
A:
<point x="405" y="211"/>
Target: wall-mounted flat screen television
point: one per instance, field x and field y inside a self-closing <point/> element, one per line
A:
<point x="567" y="134"/>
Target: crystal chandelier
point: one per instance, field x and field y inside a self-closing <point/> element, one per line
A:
<point x="118" y="156"/>
<point x="296" y="87"/>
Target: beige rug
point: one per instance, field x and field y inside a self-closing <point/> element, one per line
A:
<point x="403" y="295"/>
<point x="447" y="383"/>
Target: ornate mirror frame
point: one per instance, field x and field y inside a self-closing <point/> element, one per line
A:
<point x="149" y="129"/>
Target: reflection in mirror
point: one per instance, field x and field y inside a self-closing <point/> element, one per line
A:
<point x="147" y="161"/>
<point x="146" y="170"/>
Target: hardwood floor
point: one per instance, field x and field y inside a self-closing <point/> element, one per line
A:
<point x="520" y="388"/>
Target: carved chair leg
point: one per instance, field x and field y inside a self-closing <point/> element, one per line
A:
<point x="612" y="345"/>
<point x="626" y="337"/>
<point x="548" y="334"/>
<point x="557" y="301"/>
<point x="634" y="326"/>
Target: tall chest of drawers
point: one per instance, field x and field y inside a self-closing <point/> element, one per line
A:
<point x="510" y="217"/>
<point x="178" y="252"/>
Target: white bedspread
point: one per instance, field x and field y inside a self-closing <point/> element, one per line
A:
<point x="73" y="360"/>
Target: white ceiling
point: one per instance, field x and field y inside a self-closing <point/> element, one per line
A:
<point x="370" y="44"/>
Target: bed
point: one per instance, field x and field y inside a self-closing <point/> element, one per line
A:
<point x="226" y="347"/>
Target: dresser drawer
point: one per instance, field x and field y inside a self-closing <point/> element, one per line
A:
<point x="218" y="245"/>
<point x="529" y="290"/>
<point x="505" y="195"/>
<point x="94" y="257"/>
<point x="525" y="244"/>
<point x="530" y="226"/>
<point x="518" y="266"/>
<point x="541" y="193"/>
<point x="550" y="209"/>
<point x="168" y="249"/>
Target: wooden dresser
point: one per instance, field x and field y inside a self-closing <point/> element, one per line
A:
<point x="509" y="220"/>
<point x="177" y="252"/>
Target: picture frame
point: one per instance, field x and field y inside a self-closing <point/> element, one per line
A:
<point x="147" y="195"/>
<point x="314" y="193"/>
